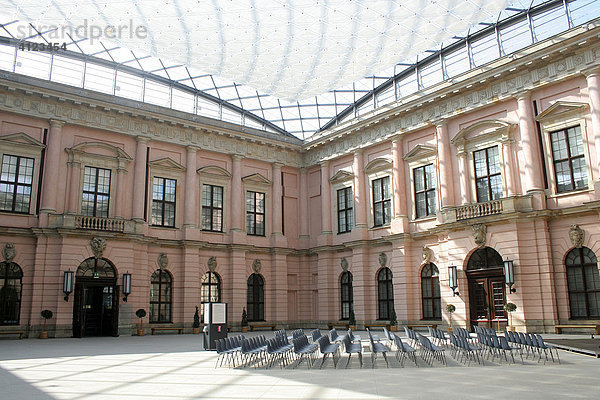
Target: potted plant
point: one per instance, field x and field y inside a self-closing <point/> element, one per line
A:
<point x="352" y="320"/>
<point x="244" y="320"/>
<point x="450" y="308"/>
<point x="141" y="313"/>
<point x="196" y="324"/>
<point x="46" y="314"/>
<point x="393" y="321"/>
<point x="510" y="308"/>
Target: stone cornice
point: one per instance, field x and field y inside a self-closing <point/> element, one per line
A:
<point x="42" y="99"/>
<point x="544" y="63"/>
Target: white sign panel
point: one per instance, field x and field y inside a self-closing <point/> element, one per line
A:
<point x="219" y="313"/>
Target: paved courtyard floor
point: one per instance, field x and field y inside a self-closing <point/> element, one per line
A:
<point x="176" y="367"/>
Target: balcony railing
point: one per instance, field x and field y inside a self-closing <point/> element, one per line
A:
<point x="99" y="224"/>
<point x="479" y="210"/>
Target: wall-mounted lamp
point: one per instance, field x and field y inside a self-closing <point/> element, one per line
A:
<point x="509" y="275"/>
<point x="453" y="280"/>
<point x="68" y="283"/>
<point x="126" y="285"/>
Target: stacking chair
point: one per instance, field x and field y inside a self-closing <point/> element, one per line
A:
<point x="326" y="348"/>
<point x="402" y="349"/>
<point x="352" y="348"/>
<point x="353" y="337"/>
<point x="304" y="350"/>
<point x="504" y="346"/>
<point x="333" y="335"/>
<point x="376" y="348"/>
<point x="315" y="335"/>
<point x="546" y="348"/>
<point x="429" y="351"/>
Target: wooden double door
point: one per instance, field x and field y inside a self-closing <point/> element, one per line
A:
<point x="95" y="308"/>
<point x="487" y="298"/>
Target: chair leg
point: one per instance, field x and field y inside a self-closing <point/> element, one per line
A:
<point x="348" y="362"/>
<point x="386" y="360"/>
<point x="360" y="359"/>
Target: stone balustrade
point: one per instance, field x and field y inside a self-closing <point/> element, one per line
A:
<point x="505" y="205"/>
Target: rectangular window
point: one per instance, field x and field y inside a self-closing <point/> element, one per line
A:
<point x="424" y="178"/>
<point x="344" y="210"/>
<point x="16" y="178"/>
<point x="569" y="162"/>
<point x="488" y="179"/>
<point x="96" y="189"/>
<point x="163" y="202"/>
<point x="382" y="203"/>
<point x="255" y="213"/>
<point x="212" y="208"/>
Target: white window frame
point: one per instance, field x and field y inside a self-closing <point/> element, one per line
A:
<point x="216" y="176"/>
<point x="420" y="156"/>
<point x="377" y="168"/>
<point x="170" y="169"/>
<point x="258" y="183"/>
<point x="343" y="179"/>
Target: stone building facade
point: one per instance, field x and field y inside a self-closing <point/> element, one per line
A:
<point x="500" y="163"/>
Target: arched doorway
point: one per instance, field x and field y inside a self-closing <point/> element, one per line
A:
<point x="485" y="273"/>
<point x="96" y="300"/>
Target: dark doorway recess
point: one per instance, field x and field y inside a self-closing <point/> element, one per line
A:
<point x="487" y="295"/>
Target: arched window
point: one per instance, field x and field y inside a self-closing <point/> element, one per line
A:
<point x="161" y="286"/>
<point x="430" y="292"/>
<point x="96" y="268"/>
<point x="10" y="293"/>
<point x="583" y="281"/>
<point x="210" y="290"/>
<point x="485" y="258"/>
<point x="256" y="298"/>
<point x="346" y="294"/>
<point x="385" y="293"/>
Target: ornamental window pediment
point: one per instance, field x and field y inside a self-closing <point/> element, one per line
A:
<point x="378" y="164"/>
<point x="21" y="141"/>
<point x="256" y="179"/>
<point x="99" y="154"/>
<point x="213" y="171"/>
<point x="420" y="152"/>
<point x="481" y="134"/>
<point x="342" y="176"/>
<point x="166" y="164"/>
<point x="562" y="110"/>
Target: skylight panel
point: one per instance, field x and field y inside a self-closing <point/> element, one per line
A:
<point x="68" y="71"/>
<point x="252" y="123"/>
<point x="99" y="78"/>
<point x="584" y="10"/>
<point x="549" y="23"/>
<point x="408" y="85"/>
<point x="366" y="107"/>
<point x="515" y="37"/>
<point x="157" y="93"/>
<point x="33" y="63"/>
<point x="456" y="62"/>
<point x="208" y="108"/>
<point x="484" y="50"/>
<point x="386" y="96"/>
<point x="183" y="101"/>
<point x="7" y="57"/>
<point x="431" y="74"/>
<point x="231" y="116"/>
<point x="129" y="86"/>
<point x="251" y="103"/>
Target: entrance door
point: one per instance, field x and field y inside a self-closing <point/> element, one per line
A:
<point x="95" y="311"/>
<point x="487" y="300"/>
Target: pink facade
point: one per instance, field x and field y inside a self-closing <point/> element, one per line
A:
<point x="458" y="175"/>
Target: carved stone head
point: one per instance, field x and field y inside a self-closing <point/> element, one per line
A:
<point x="383" y="259"/>
<point x="344" y="264"/>
<point x="256" y="266"/>
<point x="163" y="260"/>
<point x="98" y="245"/>
<point x="212" y="264"/>
<point x="427" y="255"/>
<point x="577" y="235"/>
<point x="9" y="252"/>
<point x="479" y="232"/>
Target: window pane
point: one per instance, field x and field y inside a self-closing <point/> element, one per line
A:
<point x="419" y="179"/>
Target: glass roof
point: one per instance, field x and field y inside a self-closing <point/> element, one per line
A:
<point x="101" y="62"/>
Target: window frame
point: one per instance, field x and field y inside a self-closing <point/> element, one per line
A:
<point x="16" y="183"/>
<point x="347" y="210"/>
<point x="426" y="191"/>
<point x="255" y="213"/>
<point x="95" y="193"/>
<point x="569" y="159"/>
<point x="350" y="295"/>
<point x="157" y="319"/>
<point x="211" y="208"/>
<point x="488" y="176"/>
<point x="389" y="300"/>
<point x="431" y="280"/>
<point x="383" y="201"/>
<point x="258" y="306"/>
<point x="585" y="291"/>
<point x="163" y="203"/>
<point x="4" y="292"/>
<point x="210" y="284"/>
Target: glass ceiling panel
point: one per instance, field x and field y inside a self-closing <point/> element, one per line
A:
<point x="364" y="31"/>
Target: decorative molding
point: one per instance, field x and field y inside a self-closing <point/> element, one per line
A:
<point x="482" y="131"/>
<point x="378" y="164"/>
<point x="479" y="233"/>
<point x="163" y="261"/>
<point x="383" y="259"/>
<point x="576" y="235"/>
<point x="166" y="163"/>
<point x="256" y="266"/>
<point x="344" y="264"/>
<point x="9" y="252"/>
<point x="420" y="152"/>
<point x="257" y="178"/>
<point x="83" y="153"/>
<point x="214" y="171"/>
<point x="212" y="264"/>
<point x="21" y="139"/>
<point x="561" y="110"/>
<point x="427" y="255"/>
<point x="341" y="176"/>
<point x="98" y="245"/>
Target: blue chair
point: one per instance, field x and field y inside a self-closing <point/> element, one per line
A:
<point x="352" y="348"/>
<point x="402" y="350"/>
<point x="327" y="348"/>
<point x="376" y="348"/>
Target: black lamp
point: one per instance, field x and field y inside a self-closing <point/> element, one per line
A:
<point x="68" y="283"/>
<point x="453" y="280"/>
<point x="509" y="275"/>
<point x="126" y="285"/>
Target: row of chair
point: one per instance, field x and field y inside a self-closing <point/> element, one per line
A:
<point x="531" y="342"/>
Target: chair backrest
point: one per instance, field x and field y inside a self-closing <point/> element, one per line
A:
<point x="431" y="332"/>
<point x="324" y="343"/>
<point x="398" y="342"/>
<point x="423" y="340"/>
<point x="316" y="334"/>
<point x="347" y="343"/>
<point x="504" y="343"/>
<point x="333" y="334"/>
<point x="350" y="335"/>
<point x="539" y="340"/>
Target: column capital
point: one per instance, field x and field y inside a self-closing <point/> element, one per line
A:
<point x="191" y="148"/>
<point x="438" y="123"/>
<point x="590" y="72"/>
<point x="142" y="139"/>
<point x="523" y="95"/>
<point x="236" y="156"/>
<point x="398" y="138"/>
<point x="324" y="163"/>
<point x="56" y="123"/>
<point x="358" y="152"/>
<point x="277" y="165"/>
<point x="303" y="170"/>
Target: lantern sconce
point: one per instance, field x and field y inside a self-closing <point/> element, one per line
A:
<point x="68" y="283"/>
<point x="509" y="275"/>
<point x="126" y="285"/>
<point x="453" y="280"/>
